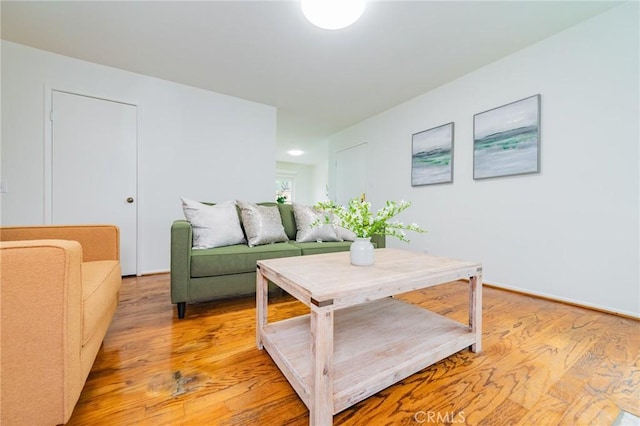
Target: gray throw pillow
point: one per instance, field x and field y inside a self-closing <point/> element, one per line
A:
<point x="262" y="224"/>
<point x="305" y="216"/>
<point x="213" y="226"/>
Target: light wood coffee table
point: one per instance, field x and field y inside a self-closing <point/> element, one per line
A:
<point x="357" y="340"/>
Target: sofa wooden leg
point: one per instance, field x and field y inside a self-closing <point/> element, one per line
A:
<point x="182" y="306"/>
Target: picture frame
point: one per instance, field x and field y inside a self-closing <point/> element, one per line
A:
<point x="432" y="155"/>
<point x="506" y="139"/>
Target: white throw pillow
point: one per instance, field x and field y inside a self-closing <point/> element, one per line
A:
<point x="213" y="226"/>
<point x="305" y="216"/>
<point x="344" y="233"/>
<point x="262" y="224"/>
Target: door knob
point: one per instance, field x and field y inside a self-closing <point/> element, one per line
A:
<point x="130" y="200"/>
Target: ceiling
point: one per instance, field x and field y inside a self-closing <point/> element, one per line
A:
<point x="321" y="81"/>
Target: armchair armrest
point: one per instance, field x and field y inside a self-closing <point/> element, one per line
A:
<point x="99" y="242"/>
<point x="41" y="330"/>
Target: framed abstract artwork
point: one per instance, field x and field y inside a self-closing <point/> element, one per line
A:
<point x="432" y="156"/>
<point x="506" y="139"/>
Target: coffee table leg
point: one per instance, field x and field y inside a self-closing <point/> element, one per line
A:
<point x="475" y="311"/>
<point x="262" y="300"/>
<point x="321" y="410"/>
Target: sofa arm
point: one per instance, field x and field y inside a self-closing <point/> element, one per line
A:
<point x="99" y="242"/>
<point x="41" y="330"/>
<point x="181" y="243"/>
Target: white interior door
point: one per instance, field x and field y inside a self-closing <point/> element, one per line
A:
<point x="94" y="167"/>
<point x="351" y="173"/>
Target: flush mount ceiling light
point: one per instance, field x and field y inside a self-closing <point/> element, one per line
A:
<point x="295" y="152"/>
<point x="332" y="14"/>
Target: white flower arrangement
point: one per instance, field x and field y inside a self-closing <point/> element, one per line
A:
<point x="359" y="219"/>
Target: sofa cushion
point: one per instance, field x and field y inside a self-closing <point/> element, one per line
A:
<point x="288" y="220"/>
<point x="236" y="259"/>
<point x="262" y="224"/>
<point x="324" y="247"/>
<point x="101" y="281"/>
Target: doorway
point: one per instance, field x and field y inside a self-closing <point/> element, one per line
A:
<point x="94" y="166"/>
<point x="351" y="173"/>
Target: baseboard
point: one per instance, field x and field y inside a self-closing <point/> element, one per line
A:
<point x="148" y="273"/>
<point x="624" y="314"/>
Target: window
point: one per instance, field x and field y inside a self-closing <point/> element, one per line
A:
<point x="285" y="187"/>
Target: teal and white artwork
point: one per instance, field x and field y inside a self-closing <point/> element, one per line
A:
<point x="432" y="156"/>
<point x="506" y="139"/>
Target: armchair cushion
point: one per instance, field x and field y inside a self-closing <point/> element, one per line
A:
<point x="99" y="279"/>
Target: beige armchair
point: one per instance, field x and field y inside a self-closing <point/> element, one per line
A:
<point x="60" y="289"/>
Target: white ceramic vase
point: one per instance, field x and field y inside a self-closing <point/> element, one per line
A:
<point x="362" y="252"/>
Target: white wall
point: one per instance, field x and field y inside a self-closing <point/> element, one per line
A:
<point x="321" y="181"/>
<point x="310" y="180"/>
<point x="192" y="142"/>
<point x="570" y="232"/>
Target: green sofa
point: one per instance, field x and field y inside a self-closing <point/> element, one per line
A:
<point x="221" y="272"/>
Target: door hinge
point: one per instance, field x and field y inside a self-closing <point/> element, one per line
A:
<point x="51" y="115"/>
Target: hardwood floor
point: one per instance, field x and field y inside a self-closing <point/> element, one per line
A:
<point x="543" y="363"/>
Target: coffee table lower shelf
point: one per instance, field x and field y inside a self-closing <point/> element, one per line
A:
<point x="376" y="344"/>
